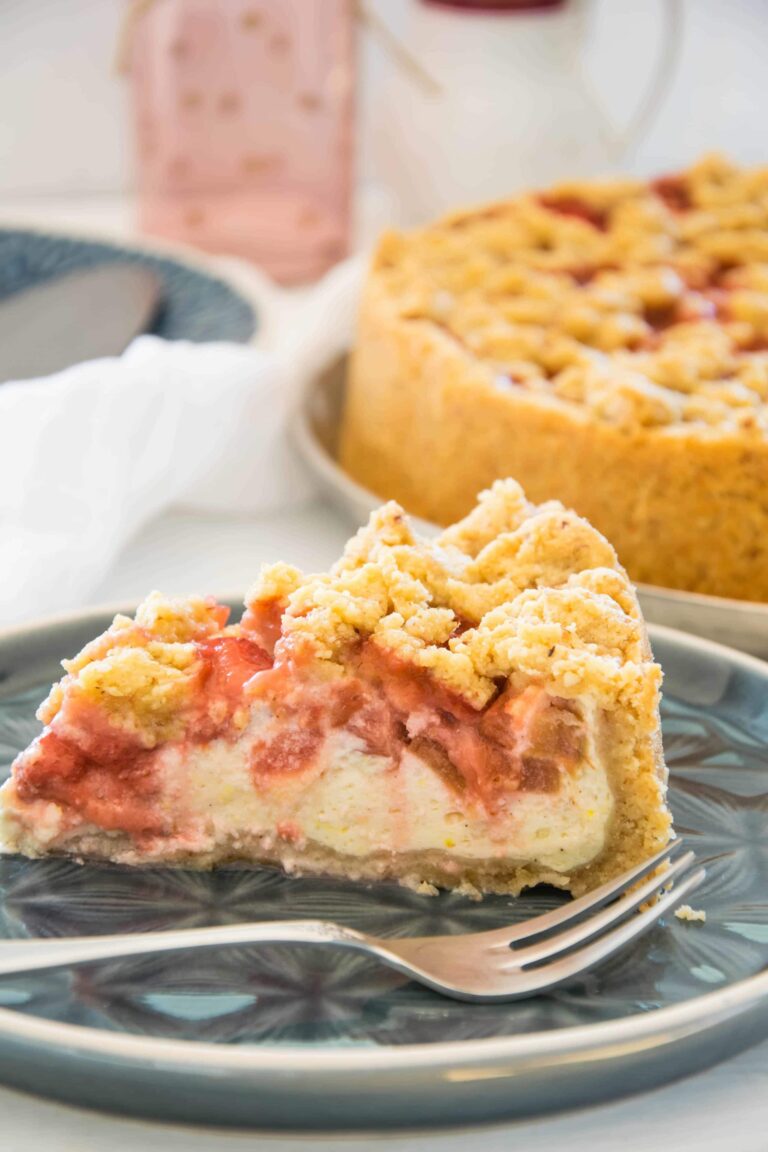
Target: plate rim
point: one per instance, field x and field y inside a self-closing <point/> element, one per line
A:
<point x="696" y="1015"/>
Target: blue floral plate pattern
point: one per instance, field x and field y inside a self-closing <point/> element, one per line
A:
<point x="298" y="1037"/>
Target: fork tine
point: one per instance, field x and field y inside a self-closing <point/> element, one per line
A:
<point x="594" y="925"/>
<point x="560" y="971"/>
<point x="575" y="909"/>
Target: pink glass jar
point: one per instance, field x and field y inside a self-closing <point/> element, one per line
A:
<point x="244" y="118"/>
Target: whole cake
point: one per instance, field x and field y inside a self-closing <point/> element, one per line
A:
<point x="605" y="343"/>
<point x="479" y="710"/>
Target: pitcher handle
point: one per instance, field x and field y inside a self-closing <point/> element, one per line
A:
<point x="619" y="141"/>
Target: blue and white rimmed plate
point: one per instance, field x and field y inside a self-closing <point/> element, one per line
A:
<point x="298" y="1038"/>
<point x="202" y="298"/>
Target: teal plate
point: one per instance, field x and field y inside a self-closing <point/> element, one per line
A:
<point x="296" y="1037"/>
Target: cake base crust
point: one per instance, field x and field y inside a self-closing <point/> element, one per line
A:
<point x="425" y="872"/>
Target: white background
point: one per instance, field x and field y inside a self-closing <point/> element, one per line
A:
<point x="63" y="110"/>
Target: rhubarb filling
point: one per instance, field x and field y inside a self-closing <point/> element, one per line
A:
<point x="273" y="744"/>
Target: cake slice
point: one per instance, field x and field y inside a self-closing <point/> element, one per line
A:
<point x="479" y="710"/>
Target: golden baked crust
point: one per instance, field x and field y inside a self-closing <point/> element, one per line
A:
<point x="607" y="344"/>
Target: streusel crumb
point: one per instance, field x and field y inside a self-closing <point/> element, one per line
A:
<point x="692" y="915"/>
<point x="142" y="671"/>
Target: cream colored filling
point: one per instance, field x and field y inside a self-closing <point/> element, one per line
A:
<point x="355" y="804"/>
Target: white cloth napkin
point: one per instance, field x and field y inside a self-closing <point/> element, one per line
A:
<point x="89" y="454"/>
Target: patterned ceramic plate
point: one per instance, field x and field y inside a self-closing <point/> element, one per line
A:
<point x="295" y="1037"/>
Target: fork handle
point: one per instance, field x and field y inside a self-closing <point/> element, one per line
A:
<point x="22" y="955"/>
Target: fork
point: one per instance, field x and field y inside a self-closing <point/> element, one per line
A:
<point x="500" y="964"/>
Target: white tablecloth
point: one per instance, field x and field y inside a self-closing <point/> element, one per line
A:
<point x="725" y="1108"/>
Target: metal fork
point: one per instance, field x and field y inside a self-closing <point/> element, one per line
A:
<point x="479" y="966"/>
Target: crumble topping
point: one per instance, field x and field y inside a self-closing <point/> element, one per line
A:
<point x="142" y="672"/>
<point x="511" y="590"/>
<point x="514" y="591"/>
<point x="638" y="304"/>
<point x="143" y="689"/>
<point x="692" y="915"/>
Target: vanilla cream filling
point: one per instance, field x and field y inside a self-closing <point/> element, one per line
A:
<point x="356" y="804"/>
